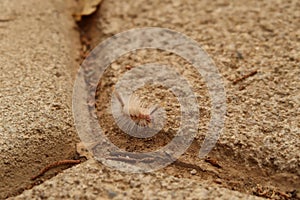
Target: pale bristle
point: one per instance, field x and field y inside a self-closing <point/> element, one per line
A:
<point x="137" y="111"/>
<point x="133" y="116"/>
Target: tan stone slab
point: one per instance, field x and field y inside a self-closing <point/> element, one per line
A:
<point x="91" y="180"/>
<point x="38" y="44"/>
<point x="263" y="113"/>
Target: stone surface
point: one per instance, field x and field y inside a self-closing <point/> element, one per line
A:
<point x="91" y="180"/>
<point x="260" y="143"/>
<point x="241" y="36"/>
<point x="38" y="48"/>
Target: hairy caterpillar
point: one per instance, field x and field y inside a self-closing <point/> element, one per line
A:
<point x="134" y="117"/>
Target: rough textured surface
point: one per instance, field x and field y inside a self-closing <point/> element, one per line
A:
<point x="260" y="144"/>
<point x="37" y="57"/>
<point x="259" y="150"/>
<point x="93" y="181"/>
<point x="241" y="36"/>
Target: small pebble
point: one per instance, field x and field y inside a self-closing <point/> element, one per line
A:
<point x="115" y="66"/>
<point x="218" y="181"/>
<point x="193" y="172"/>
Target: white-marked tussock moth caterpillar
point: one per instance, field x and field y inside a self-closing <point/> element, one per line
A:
<point x="133" y="116"/>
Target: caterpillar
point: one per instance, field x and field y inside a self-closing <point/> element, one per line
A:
<point x="133" y="116"/>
